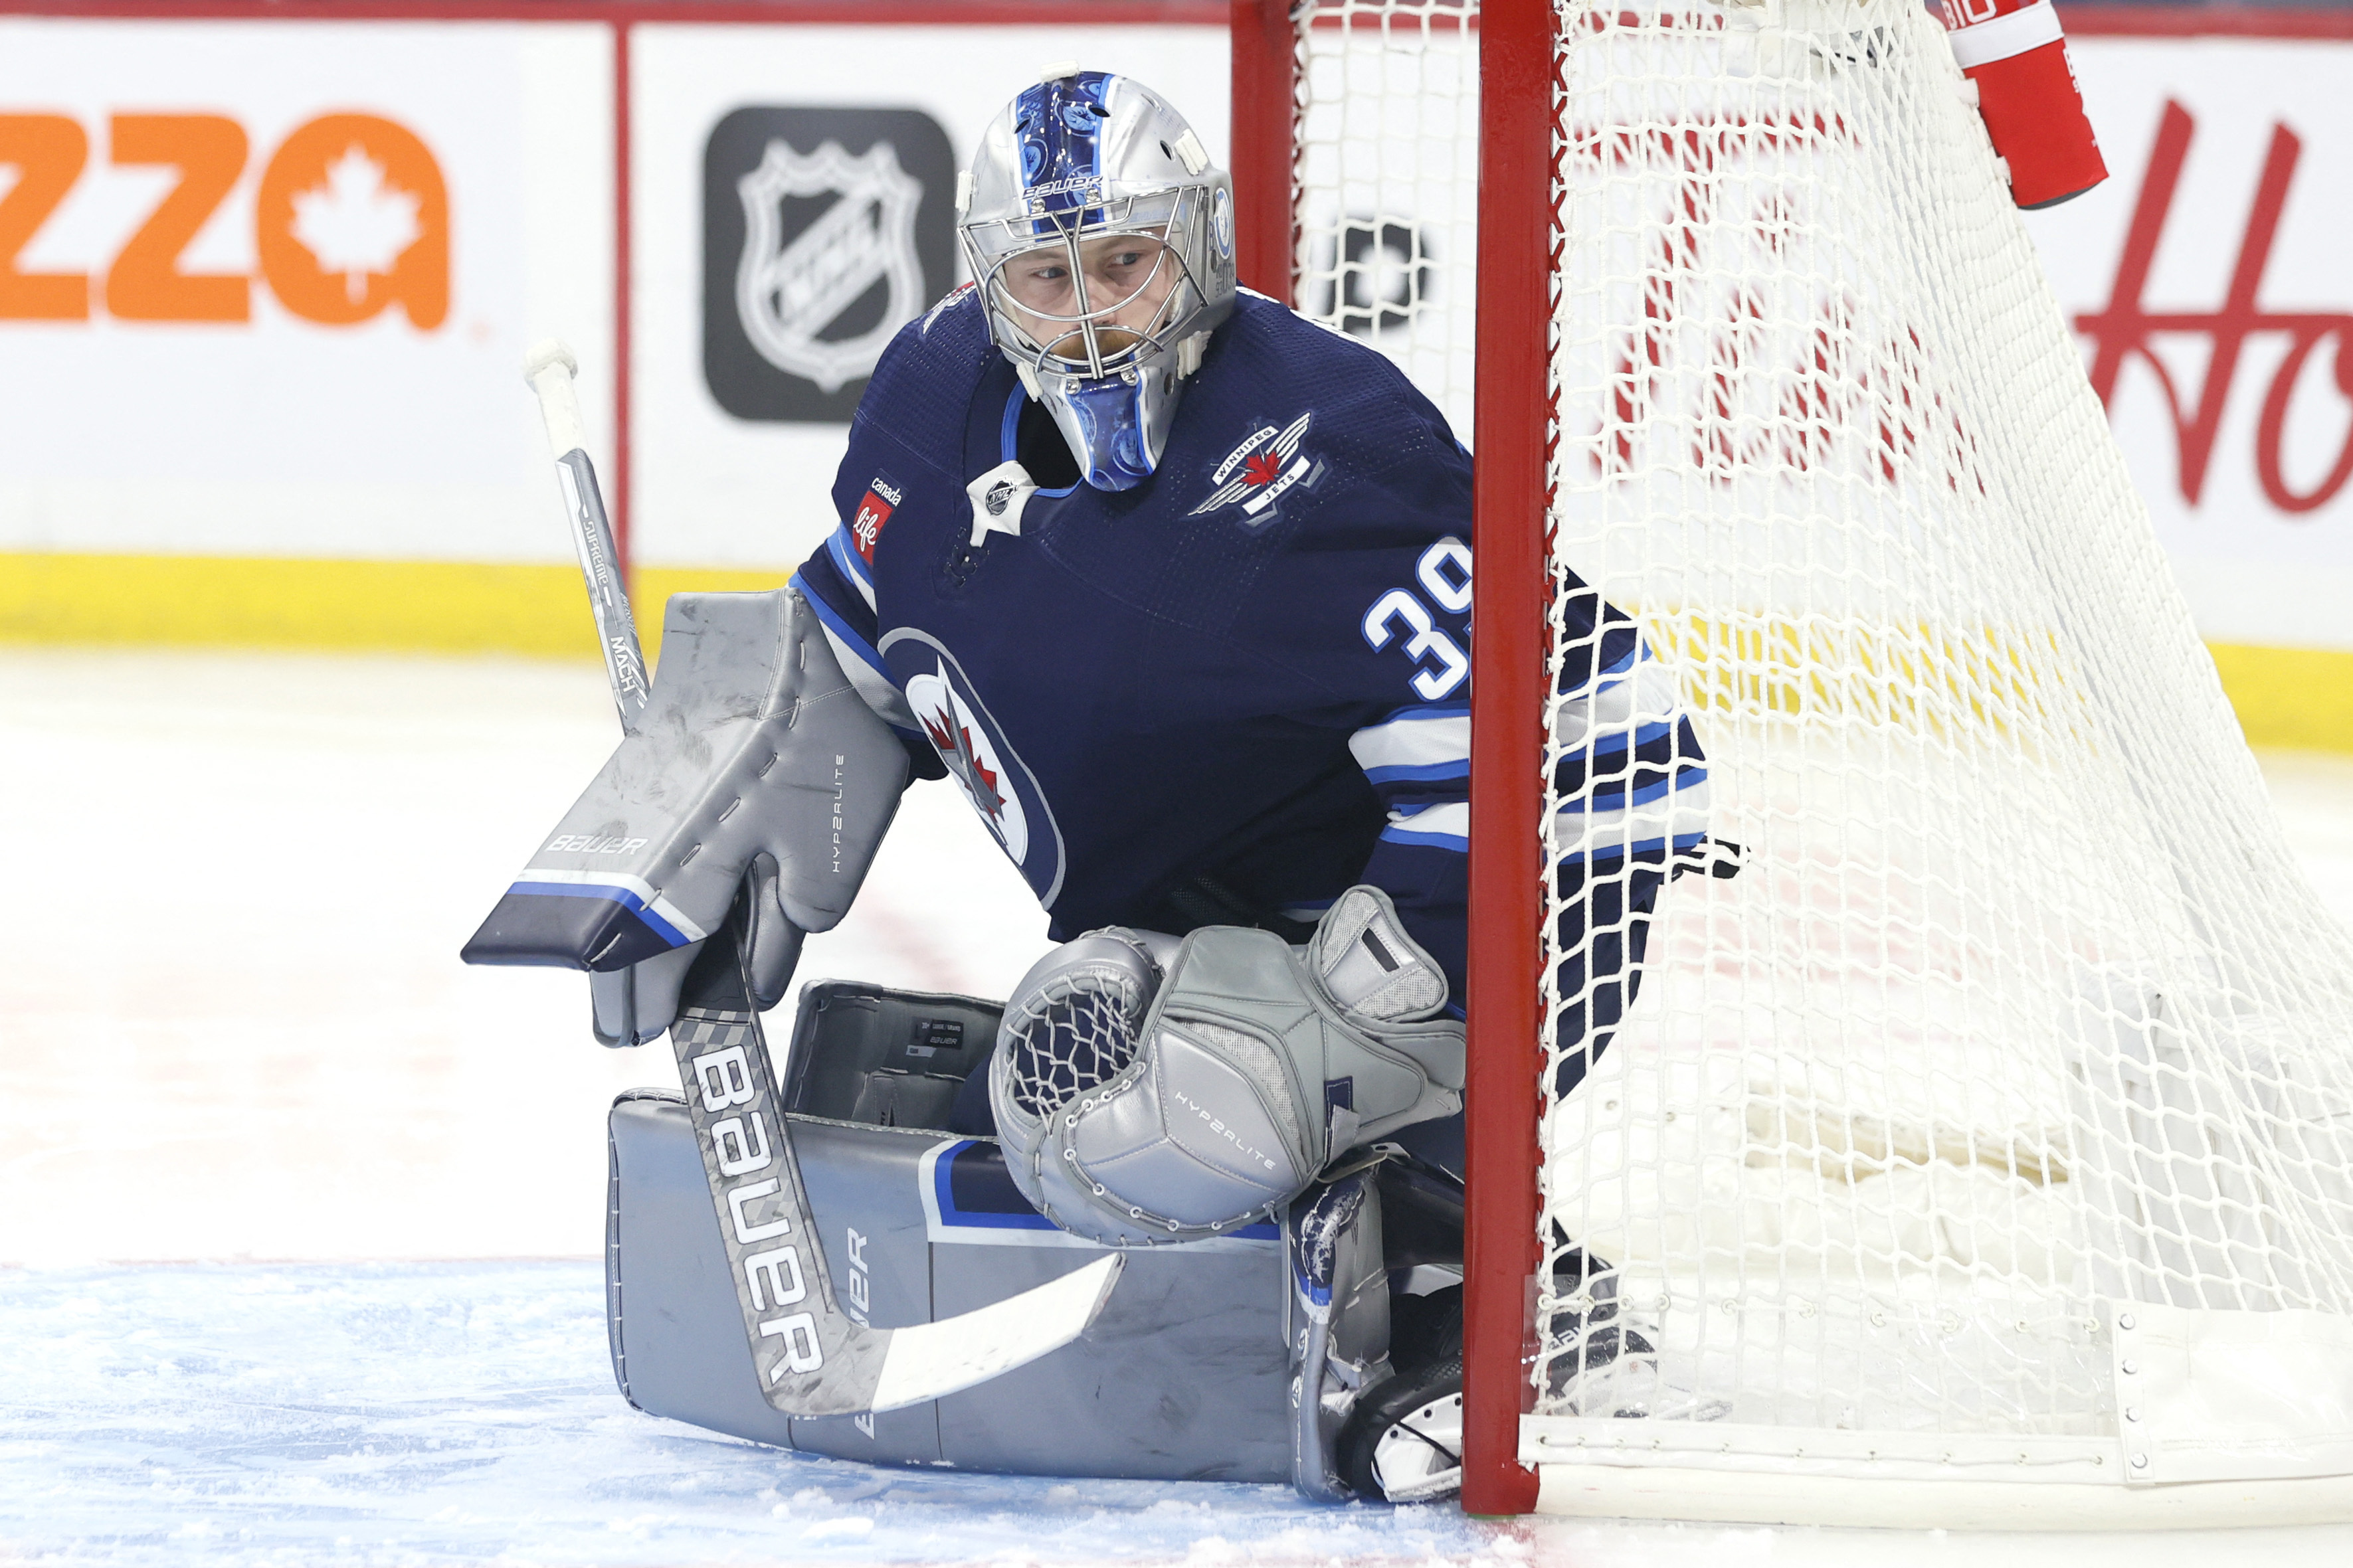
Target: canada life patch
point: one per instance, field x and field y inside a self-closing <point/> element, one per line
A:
<point x="1256" y="473"/>
<point x="880" y="500"/>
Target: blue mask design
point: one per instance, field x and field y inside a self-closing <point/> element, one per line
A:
<point x="1059" y="124"/>
<point x="1109" y="419"/>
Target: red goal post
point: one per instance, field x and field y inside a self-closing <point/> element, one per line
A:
<point x="1510" y="615"/>
<point x="1980" y="1156"/>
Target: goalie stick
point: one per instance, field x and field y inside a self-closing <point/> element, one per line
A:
<point x="550" y="367"/>
<point x="813" y="1359"/>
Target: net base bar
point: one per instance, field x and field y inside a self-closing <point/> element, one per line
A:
<point x="1722" y="1497"/>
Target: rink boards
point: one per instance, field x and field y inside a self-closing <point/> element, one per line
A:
<point x="280" y="407"/>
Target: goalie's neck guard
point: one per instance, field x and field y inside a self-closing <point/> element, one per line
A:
<point x="1102" y="240"/>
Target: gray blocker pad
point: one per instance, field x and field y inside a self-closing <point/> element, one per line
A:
<point x="755" y="760"/>
<point x="1255" y="1066"/>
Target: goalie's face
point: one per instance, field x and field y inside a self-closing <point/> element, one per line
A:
<point x="1102" y="240"/>
<point x="1092" y="301"/>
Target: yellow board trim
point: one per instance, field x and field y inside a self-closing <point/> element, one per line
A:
<point x="2285" y="697"/>
<point x="429" y="606"/>
<point x="2292" y="697"/>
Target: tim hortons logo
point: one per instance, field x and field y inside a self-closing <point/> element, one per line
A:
<point x="788" y="293"/>
<point x="2125" y="328"/>
<point x="1729" y="349"/>
<point x="351" y="215"/>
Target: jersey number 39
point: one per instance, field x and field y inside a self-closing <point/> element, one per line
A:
<point x="1440" y="663"/>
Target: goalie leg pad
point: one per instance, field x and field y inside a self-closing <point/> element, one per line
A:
<point x="1150" y="1091"/>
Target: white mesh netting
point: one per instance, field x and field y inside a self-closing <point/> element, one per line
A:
<point x="2021" y="1007"/>
<point x="1386" y="183"/>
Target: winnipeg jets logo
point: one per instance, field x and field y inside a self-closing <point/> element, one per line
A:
<point x="1256" y="473"/>
<point x="988" y="770"/>
<point x="962" y="744"/>
<point x="787" y="294"/>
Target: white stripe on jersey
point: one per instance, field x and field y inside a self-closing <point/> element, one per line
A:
<point x="1668" y="813"/>
<point x="1413" y="741"/>
<point x="1644" y="695"/>
<point x="1447" y="827"/>
<point x="852" y="565"/>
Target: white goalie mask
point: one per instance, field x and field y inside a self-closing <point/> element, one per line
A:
<point x="1102" y="238"/>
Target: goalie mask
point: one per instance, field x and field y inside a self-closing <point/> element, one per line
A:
<point x="1102" y="242"/>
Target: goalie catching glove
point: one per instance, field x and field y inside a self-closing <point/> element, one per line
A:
<point x="1150" y="1090"/>
<point x="755" y="760"/>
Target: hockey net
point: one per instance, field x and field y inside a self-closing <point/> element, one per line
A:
<point x="1991" y="1132"/>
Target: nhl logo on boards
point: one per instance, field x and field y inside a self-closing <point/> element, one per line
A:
<point x="787" y="291"/>
<point x="825" y="231"/>
<point x="1258" y="472"/>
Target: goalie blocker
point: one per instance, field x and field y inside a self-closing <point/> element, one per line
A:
<point x="754" y="762"/>
<point x="744" y="806"/>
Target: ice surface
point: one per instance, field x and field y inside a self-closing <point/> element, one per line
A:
<point x="239" y="886"/>
<point x="458" y="1412"/>
<point x="233" y="1028"/>
<point x="323" y="1415"/>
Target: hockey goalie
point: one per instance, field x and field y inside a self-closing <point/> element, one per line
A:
<point x="1175" y="585"/>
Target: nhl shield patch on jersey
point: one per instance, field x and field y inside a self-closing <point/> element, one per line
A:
<point x="1260" y="471"/>
<point x="997" y="498"/>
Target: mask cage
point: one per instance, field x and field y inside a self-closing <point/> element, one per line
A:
<point x="1181" y="219"/>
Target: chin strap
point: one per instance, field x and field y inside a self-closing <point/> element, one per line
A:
<point x="1190" y="353"/>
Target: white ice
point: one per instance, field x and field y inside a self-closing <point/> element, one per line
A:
<point x="300" y="1217"/>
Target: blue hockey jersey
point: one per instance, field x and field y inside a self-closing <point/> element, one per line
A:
<point x="1230" y="693"/>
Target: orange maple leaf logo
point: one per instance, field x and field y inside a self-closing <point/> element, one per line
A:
<point x="357" y="221"/>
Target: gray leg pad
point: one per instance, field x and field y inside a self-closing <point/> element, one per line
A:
<point x="1182" y="1375"/>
